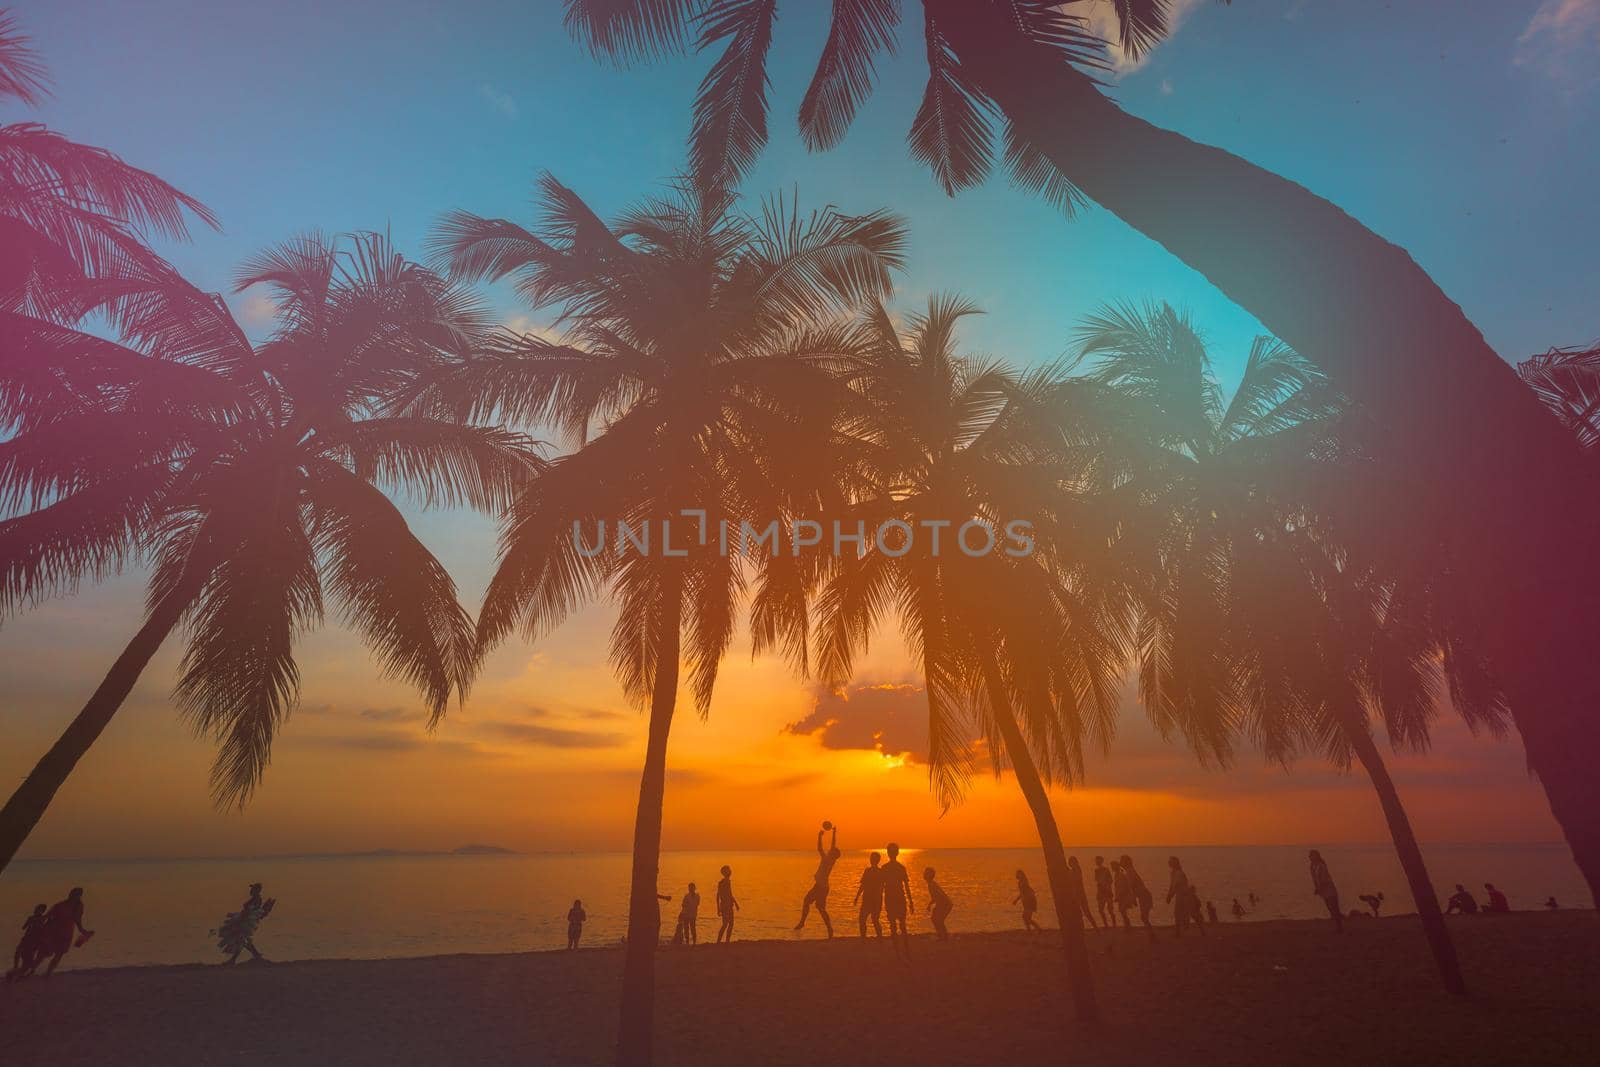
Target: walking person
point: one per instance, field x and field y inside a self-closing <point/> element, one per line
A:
<point x="1029" y="901"/>
<point x="1122" y="893"/>
<point x="1105" y="896"/>
<point x="688" y="930"/>
<point x="576" y="917"/>
<point x="869" y="894"/>
<point x="1178" y="895"/>
<point x="31" y="944"/>
<point x="1322" y="885"/>
<point x="1141" y="894"/>
<point x="817" y="895"/>
<point x="56" y="934"/>
<point x="726" y="905"/>
<point x="939" y="904"/>
<point x="897" y="900"/>
<point x="238" y="930"/>
<point x="1076" y="886"/>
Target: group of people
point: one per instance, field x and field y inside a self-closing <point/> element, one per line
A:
<point x="49" y="933"/>
<point x="1462" y="902"/>
<point x="883" y="892"/>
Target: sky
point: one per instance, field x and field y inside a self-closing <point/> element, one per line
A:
<point x="1473" y="142"/>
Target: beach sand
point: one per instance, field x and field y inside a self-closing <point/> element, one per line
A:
<point x="1253" y="993"/>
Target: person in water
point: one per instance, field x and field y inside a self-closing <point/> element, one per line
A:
<point x="576" y="917"/>
<point x="237" y="932"/>
<point x="1461" y="902"/>
<point x="1498" y="904"/>
<point x="1141" y="894"/>
<point x="1322" y="886"/>
<point x="31" y="943"/>
<point x="817" y="895"/>
<point x="1105" y="895"/>
<point x="869" y="894"/>
<point x="688" y="931"/>
<point x="938" y="904"/>
<point x="726" y="905"/>
<point x="61" y="923"/>
<point x="897" y="900"/>
<point x="1029" y="901"/>
<point x="1078" y="888"/>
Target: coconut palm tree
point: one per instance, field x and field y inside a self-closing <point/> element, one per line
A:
<point x="1567" y="380"/>
<point x="1488" y="468"/>
<point x="1266" y="622"/>
<point x="1017" y="647"/>
<point x="250" y="482"/>
<point x="691" y="386"/>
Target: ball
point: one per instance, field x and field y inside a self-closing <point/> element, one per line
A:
<point x="826" y="825"/>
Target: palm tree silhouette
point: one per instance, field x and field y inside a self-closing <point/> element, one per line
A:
<point x="1567" y="380"/>
<point x="1357" y="306"/>
<point x="1016" y="649"/>
<point x="692" y="384"/>
<point x="250" y="481"/>
<point x="1263" y="619"/>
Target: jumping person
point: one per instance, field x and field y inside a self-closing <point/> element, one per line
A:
<point x="1029" y="901"/>
<point x="1322" y="885"/>
<point x="1105" y="896"/>
<point x="869" y="894"/>
<point x="939" y="904"/>
<point x="897" y="900"/>
<point x="817" y="895"/>
<point x="575" y="920"/>
<point x="726" y="905"/>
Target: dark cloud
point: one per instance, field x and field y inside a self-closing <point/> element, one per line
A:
<point x="388" y="742"/>
<point x="888" y="717"/>
<point x="590" y="714"/>
<point x="550" y="736"/>
<point x="390" y="714"/>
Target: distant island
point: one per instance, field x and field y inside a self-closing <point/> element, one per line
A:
<point x="483" y="850"/>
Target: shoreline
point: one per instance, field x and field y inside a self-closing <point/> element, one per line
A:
<point x="1269" y="992"/>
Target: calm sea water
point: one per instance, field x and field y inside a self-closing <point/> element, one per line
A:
<point x="154" y="912"/>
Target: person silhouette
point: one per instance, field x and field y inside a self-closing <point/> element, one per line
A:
<point x="1498" y="904"/>
<point x="1461" y="902"/>
<point x="938" y="903"/>
<point x="726" y="905"/>
<point x="1373" y="901"/>
<point x="817" y="895"/>
<point x="1105" y="895"/>
<point x="1076" y="887"/>
<point x="1141" y="894"/>
<point x="237" y="932"/>
<point x="1322" y="886"/>
<point x="1211" y="912"/>
<point x="1178" y="895"/>
<point x="869" y="894"/>
<point x="56" y="932"/>
<point x="30" y="944"/>
<point x="1029" y="901"/>
<point x="1550" y="903"/>
<point x="688" y="929"/>
<point x="897" y="899"/>
<point x="1238" y="909"/>
<point x="1121" y="894"/>
<point x="575" y="920"/>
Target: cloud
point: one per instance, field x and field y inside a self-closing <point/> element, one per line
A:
<point x="502" y="103"/>
<point x="1166" y="86"/>
<point x="255" y="308"/>
<point x="1562" y="42"/>
<point x="390" y="714"/>
<point x="1101" y="16"/>
<point x="528" y="733"/>
<point x="888" y="717"/>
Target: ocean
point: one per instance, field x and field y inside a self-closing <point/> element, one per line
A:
<point x="375" y="906"/>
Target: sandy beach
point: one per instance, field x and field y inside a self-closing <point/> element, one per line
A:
<point x="1259" y="993"/>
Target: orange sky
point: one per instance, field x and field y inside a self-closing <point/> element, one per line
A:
<point x="545" y="756"/>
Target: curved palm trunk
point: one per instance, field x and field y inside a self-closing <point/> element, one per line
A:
<point x="1065" y="890"/>
<point x="1405" y="845"/>
<point x="636" y="1029"/>
<point x="27" y="805"/>
<point x="1493" y="479"/>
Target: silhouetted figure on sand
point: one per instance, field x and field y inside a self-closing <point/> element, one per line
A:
<point x="869" y="894"/>
<point x="688" y="929"/>
<point x="1029" y="901"/>
<point x="1105" y="896"/>
<point x="61" y="923"/>
<point x="1373" y="901"/>
<point x="1498" y="904"/>
<point x="1178" y="894"/>
<point x="1461" y="902"/>
<point x="1211" y="912"/>
<point x="817" y="895"/>
<point x="726" y="905"/>
<point x="1121" y="893"/>
<point x="237" y="932"/>
<point x="1078" y="889"/>
<point x="938" y="904"/>
<point x="1550" y="902"/>
<point x="1254" y="900"/>
<point x="1141" y="893"/>
<point x="897" y="900"/>
<point x="575" y="920"/>
<point x="1322" y="885"/>
<point x="30" y="945"/>
<point x="1238" y="909"/>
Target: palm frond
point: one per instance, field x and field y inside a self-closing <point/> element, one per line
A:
<point x="730" y="109"/>
<point x="951" y="133"/>
<point x="22" y="74"/>
<point x="627" y="30"/>
<point x="858" y="31"/>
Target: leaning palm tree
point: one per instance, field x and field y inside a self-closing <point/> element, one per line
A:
<point x="1357" y="306"/>
<point x="1567" y="380"/>
<point x="692" y="387"/>
<point x="1262" y="621"/>
<point x="250" y="482"/>
<point x="1013" y="644"/>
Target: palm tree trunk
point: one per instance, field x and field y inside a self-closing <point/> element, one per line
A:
<point x="637" y="1026"/>
<point x="1405" y="845"/>
<point x="27" y="805"/>
<point x="1492" y="481"/>
<point x="1065" y="889"/>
